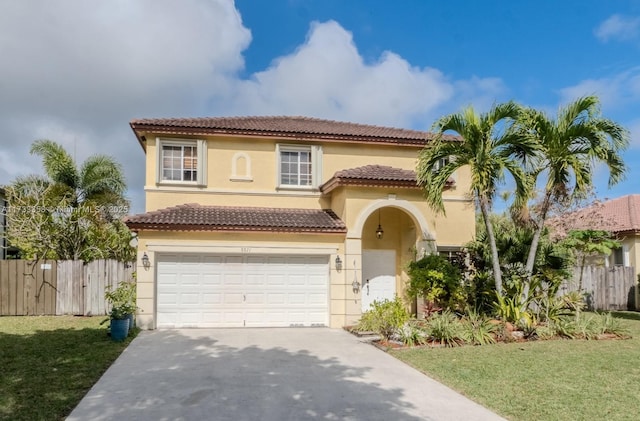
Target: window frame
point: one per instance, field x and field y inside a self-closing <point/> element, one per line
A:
<point x="201" y="157"/>
<point x="618" y="257"/>
<point x="315" y="162"/>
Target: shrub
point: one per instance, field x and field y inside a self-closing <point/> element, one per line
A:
<point x="437" y="280"/>
<point x="565" y="327"/>
<point x="513" y="309"/>
<point x="545" y="332"/>
<point x="480" y="291"/>
<point x="411" y="334"/>
<point x="385" y="317"/>
<point x="122" y="299"/>
<point x="611" y="325"/>
<point x="446" y="329"/>
<point x="477" y="329"/>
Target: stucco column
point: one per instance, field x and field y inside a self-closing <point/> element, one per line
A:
<point x="353" y="272"/>
<point x="145" y="289"/>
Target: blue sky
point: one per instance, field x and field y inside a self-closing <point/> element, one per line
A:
<point x="78" y="71"/>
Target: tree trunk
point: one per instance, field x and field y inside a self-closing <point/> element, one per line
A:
<point x="497" y="273"/>
<point x="533" y="250"/>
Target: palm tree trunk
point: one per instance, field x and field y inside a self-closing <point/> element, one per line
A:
<point x="533" y="251"/>
<point x="497" y="273"/>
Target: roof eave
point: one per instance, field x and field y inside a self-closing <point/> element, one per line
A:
<point x="209" y="228"/>
<point x="203" y="131"/>
<point x="334" y="183"/>
<point x="139" y="136"/>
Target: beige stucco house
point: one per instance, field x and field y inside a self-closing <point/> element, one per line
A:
<point x="282" y="221"/>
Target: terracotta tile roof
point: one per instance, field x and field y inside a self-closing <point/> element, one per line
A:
<point x="283" y="126"/>
<point x="621" y="215"/>
<point x="373" y="176"/>
<point x="194" y="217"/>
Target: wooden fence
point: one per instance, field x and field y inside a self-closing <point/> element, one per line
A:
<point x="56" y="288"/>
<point x="611" y="288"/>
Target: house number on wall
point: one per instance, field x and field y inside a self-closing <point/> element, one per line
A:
<point x="245" y="249"/>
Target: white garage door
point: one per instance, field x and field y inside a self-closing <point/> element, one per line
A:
<point x="196" y="290"/>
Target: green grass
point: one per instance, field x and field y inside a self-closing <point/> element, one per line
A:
<point x="544" y="380"/>
<point x="48" y="363"/>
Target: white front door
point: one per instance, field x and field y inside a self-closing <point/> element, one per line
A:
<point x="378" y="276"/>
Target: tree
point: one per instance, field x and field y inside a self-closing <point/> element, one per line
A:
<point x="589" y="243"/>
<point x="70" y="213"/>
<point x="513" y="241"/>
<point x="569" y="148"/>
<point x="488" y="146"/>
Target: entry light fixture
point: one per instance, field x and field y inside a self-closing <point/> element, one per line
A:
<point x="379" y="231"/>
<point x="146" y="263"/>
<point x="355" y="285"/>
<point x="338" y="263"/>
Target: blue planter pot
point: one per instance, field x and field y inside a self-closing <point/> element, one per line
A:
<point x="119" y="329"/>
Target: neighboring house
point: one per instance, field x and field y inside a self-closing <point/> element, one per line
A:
<point x="619" y="216"/>
<point x="282" y="221"/>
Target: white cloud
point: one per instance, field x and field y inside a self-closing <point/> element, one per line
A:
<point x="327" y="77"/>
<point x="634" y="128"/>
<point x="614" y="91"/>
<point x="618" y="27"/>
<point x="77" y="72"/>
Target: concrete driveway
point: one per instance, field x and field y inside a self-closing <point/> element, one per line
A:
<point x="266" y="374"/>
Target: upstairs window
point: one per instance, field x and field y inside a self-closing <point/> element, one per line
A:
<point x="295" y="168"/>
<point x="299" y="166"/>
<point x="181" y="162"/>
<point x="441" y="163"/>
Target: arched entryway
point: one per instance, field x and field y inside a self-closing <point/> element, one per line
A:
<point x="388" y="234"/>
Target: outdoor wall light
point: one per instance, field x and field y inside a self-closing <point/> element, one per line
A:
<point x="146" y="263"/>
<point x="355" y="285"/>
<point x="338" y="264"/>
<point x="379" y="231"/>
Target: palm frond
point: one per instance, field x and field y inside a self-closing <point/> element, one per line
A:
<point x="58" y="164"/>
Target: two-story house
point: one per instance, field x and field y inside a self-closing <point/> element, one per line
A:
<point x="282" y="221"/>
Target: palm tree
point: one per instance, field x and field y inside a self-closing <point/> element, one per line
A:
<point x="100" y="180"/>
<point x="489" y="147"/>
<point x="570" y="147"/>
<point x="77" y="208"/>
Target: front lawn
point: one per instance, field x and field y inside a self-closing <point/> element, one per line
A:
<point x="48" y="363"/>
<point x="543" y="380"/>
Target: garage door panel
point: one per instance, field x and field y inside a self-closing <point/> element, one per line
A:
<point x="233" y="298"/>
<point x="168" y="299"/>
<point x="232" y="279"/>
<point x="189" y="298"/>
<point x="276" y="299"/>
<point x="254" y="298"/>
<point x="255" y="279"/>
<point x="213" y="279"/>
<point x="236" y="290"/>
<point x="317" y="299"/>
<point x="297" y="280"/>
<point x="276" y="280"/>
<point x="212" y="298"/>
<point x="296" y="298"/>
